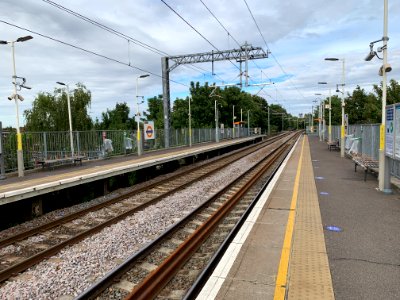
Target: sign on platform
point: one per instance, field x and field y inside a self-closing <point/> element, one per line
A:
<point x="389" y="130"/>
<point x="397" y="132"/>
<point x="149" y="132"/>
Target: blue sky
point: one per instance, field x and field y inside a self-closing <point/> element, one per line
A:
<point x="300" y="35"/>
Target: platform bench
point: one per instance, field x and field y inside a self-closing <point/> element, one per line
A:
<point x="51" y="163"/>
<point x="333" y="145"/>
<point x="368" y="164"/>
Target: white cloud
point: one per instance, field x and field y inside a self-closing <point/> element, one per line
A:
<point x="299" y="33"/>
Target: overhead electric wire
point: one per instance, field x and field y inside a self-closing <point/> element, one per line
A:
<point x="229" y="34"/>
<point x="117" y="33"/>
<point x="191" y="26"/>
<point x="266" y="44"/>
<point x="88" y="51"/>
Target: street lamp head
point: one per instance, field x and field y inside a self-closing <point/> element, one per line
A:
<point x="60" y="83"/>
<point x="322" y="82"/>
<point x="3" y="42"/>
<point x="24" y="38"/>
<point x="318" y="94"/>
<point x="332" y="58"/>
<point x="145" y="75"/>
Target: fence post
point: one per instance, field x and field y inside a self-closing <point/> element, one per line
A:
<point x="45" y="146"/>
<point x="78" y="143"/>
<point x="2" y="171"/>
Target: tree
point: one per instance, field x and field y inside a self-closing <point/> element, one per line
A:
<point x="117" y="118"/>
<point x="155" y="111"/>
<point x="180" y="113"/>
<point x="50" y="112"/>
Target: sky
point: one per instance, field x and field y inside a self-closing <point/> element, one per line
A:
<point x="299" y="35"/>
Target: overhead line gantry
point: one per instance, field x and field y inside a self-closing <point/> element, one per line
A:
<point x="243" y="54"/>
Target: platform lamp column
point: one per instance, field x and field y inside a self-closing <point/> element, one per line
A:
<point x="384" y="166"/>
<point x="384" y="161"/>
<point x="233" y="121"/>
<point x="342" y="130"/>
<point x="71" y="139"/>
<point x="138" y="135"/>
<point x="20" y="155"/>
<point x="248" y="123"/>
<point x="330" y="120"/>
<point x="190" y="123"/>
<point x="330" y="108"/>
<point x="216" y="122"/>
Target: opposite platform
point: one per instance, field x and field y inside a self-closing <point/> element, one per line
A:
<point x="41" y="182"/>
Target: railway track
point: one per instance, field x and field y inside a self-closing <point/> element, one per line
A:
<point x="23" y="250"/>
<point x="175" y="265"/>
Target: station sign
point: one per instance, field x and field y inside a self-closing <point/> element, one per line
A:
<point x="149" y="132"/>
<point x="390" y="133"/>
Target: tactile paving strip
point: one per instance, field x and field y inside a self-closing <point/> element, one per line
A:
<point x="309" y="275"/>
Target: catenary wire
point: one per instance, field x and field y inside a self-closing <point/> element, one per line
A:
<point x="119" y="34"/>
<point x="266" y="44"/>
<point x="89" y="51"/>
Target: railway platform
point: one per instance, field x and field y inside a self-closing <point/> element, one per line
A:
<point x="44" y="181"/>
<point x="318" y="232"/>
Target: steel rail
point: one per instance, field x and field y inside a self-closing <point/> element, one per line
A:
<point x="212" y="264"/>
<point x="41" y="228"/>
<point x="32" y="260"/>
<point x="113" y="276"/>
<point x="151" y="286"/>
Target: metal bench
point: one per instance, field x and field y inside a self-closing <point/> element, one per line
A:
<point x="51" y="163"/>
<point x="367" y="163"/>
<point x="333" y="145"/>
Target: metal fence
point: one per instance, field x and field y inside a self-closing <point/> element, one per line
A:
<point x="101" y="144"/>
<point x="368" y="137"/>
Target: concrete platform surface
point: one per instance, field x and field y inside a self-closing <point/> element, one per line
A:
<point x="344" y="243"/>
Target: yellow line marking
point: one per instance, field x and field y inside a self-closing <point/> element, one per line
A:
<point x="281" y="279"/>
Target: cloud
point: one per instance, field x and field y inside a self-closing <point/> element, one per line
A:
<point x="300" y="35"/>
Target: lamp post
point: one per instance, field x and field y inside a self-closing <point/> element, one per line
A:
<point x="138" y="135"/>
<point x="233" y="121"/>
<point x="190" y="123"/>
<point x="342" y="133"/>
<point x="384" y="161"/>
<point x="321" y="118"/>
<point x="69" y="118"/>
<point x="216" y="122"/>
<point x="20" y="155"/>
<point x="330" y="109"/>
<point x="248" y="123"/>
<point x="312" y="113"/>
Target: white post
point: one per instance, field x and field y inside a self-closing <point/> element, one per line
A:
<point x="384" y="169"/>
<point x="323" y="120"/>
<point x="342" y="134"/>
<point x="138" y="136"/>
<point x="248" y="123"/>
<point x="216" y="122"/>
<point x="330" y="123"/>
<point x="233" y="122"/>
<point x="269" y="126"/>
<point x="190" y="124"/>
<point x="70" y="123"/>
<point x="20" y="154"/>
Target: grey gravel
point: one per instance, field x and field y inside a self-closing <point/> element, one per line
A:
<point x="75" y="268"/>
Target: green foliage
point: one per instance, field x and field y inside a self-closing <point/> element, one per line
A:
<point x="50" y="111"/>
<point x="116" y="119"/>
<point x="155" y="111"/>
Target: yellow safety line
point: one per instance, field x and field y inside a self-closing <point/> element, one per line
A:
<point x="281" y="279"/>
